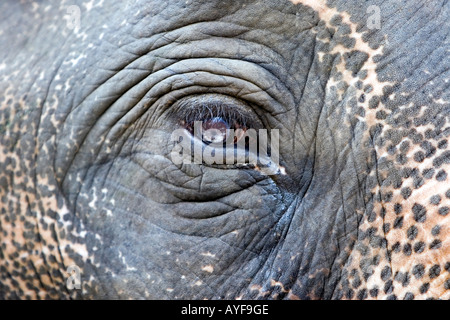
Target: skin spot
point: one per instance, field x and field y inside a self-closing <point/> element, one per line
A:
<point x="374" y="103"/>
<point x="349" y="294"/>
<point x="442" y="159"/>
<point x="428" y="173"/>
<point x="434" y="271"/>
<point x="356" y="283"/>
<point x="374" y="292"/>
<point x="436" y="199"/>
<point x="396" y="247"/>
<point x="435" y="244"/>
<point x="419" y="213"/>
<point x="447" y="285"/>
<point x="402" y="278"/>
<point x="443" y="144"/>
<point x="404" y="147"/>
<point x="208" y="268"/>
<point x="419" y="247"/>
<point x="388" y="287"/>
<point x="436" y="230"/>
<point x="419" y="156"/>
<point x="441" y="175"/>
<point x="418" y="271"/>
<point x="409" y="296"/>
<point x="412" y="233"/>
<point x="407" y="249"/>
<point x="443" y="211"/>
<point x="362" y="294"/>
<point x="208" y="254"/>
<point x="386" y="273"/>
<point x="418" y="182"/>
<point x="398" y="223"/>
<point x="424" y="288"/>
<point x="406" y="193"/>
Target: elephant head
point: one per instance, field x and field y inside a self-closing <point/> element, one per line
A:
<point x="347" y="198"/>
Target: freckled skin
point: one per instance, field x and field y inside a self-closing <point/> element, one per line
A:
<point x="86" y="178"/>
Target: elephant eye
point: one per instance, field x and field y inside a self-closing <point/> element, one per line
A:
<point x="216" y="129"/>
<point x="216" y="121"/>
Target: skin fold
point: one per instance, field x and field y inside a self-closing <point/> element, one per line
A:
<point x="93" y="90"/>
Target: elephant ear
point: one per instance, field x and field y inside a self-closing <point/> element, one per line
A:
<point x="389" y="74"/>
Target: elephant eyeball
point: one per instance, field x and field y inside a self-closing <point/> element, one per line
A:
<point x="215" y="130"/>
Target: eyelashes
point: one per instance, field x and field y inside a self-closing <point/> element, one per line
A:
<point x="229" y="114"/>
<point x="215" y="118"/>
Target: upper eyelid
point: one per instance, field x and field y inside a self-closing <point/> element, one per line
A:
<point x="226" y="112"/>
<point x="201" y="108"/>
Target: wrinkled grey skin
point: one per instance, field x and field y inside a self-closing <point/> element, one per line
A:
<point x="86" y="177"/>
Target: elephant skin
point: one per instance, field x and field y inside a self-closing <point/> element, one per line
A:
<point x="93" y="207"/>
